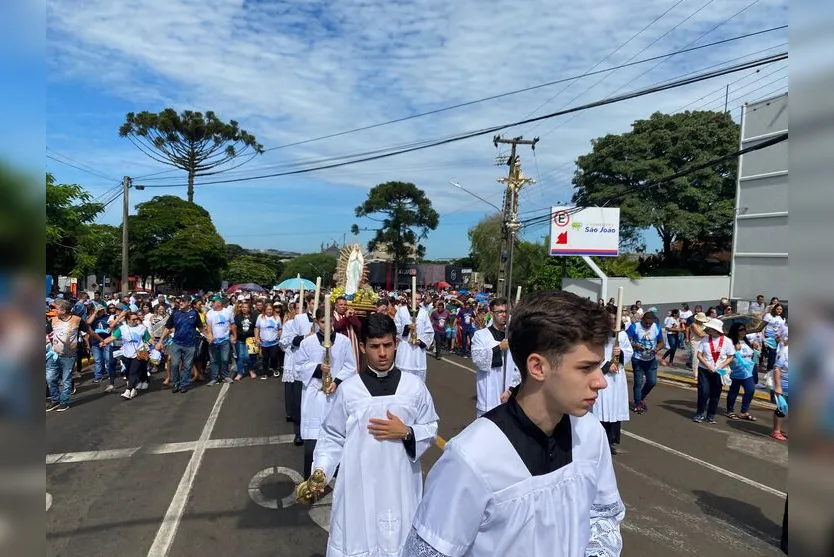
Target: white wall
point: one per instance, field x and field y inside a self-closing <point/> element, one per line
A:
<point x="655" y="290"/>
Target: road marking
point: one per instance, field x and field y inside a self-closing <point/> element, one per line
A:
<point x="257" y="480"/>
<point x="48" y="501"/>
<point x="167" y="448"/>
<point x="705" y="464"/>
<point x="461" y="366"/>
<point x="168" y="529"/>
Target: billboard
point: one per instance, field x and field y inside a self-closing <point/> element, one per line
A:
<point x="760" y="233"/>
<point x="590" y="231"/>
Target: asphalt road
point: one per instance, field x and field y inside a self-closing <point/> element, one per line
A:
<point x="212" y="472"/>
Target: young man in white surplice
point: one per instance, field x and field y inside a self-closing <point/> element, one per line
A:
<point x="492" y="358"/>
<point x="411" y="358"/>
<point x="315" y="403"/>
<point x="294" y="331"/>
<point x="611" y="406"/>
<point x="380" y="423"/>
<point x="532" y="477"/>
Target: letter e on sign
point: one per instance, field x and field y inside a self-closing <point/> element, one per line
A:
<point x="562" y="218"/>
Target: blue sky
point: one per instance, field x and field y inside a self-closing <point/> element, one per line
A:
<point x="289" y="71"/>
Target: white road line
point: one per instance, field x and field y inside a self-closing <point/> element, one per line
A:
<point x="461" y="366"/>
<point x="168" y="529"/>
<point x="87" y="456"/>
<point x="705" y="464"/>
<point x="167" y="448"/>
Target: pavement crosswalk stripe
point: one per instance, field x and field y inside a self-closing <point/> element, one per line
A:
<point x="705" y="464"/>
<point x="87" y="456"/>
<point x="173" y="516"/>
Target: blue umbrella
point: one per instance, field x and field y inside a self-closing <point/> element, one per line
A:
<point x="295" y="284"/>
<point x="463" y="292"/>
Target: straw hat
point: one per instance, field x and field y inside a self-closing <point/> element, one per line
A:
<point x="715" y="324"/>
<point x="701" y="317"/>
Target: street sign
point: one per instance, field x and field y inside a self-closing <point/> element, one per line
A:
<point x="590" y="231"/>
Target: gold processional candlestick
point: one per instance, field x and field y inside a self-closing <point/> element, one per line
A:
<point x="326" y="377"/>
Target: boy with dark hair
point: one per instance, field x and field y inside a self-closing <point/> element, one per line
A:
<point x="379" y="424"/>
<point x="534" y="476"/>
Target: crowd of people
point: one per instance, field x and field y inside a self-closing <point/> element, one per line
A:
<point x="556" y="359"/>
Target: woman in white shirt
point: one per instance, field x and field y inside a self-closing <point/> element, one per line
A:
<point x="135" y="338"/>
<point x="775" y="322"/>
<point x="715" y="354"/>
<point x="267" y="332"/>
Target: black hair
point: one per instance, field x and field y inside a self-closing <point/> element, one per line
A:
<point x="734" y="336"/>
<point x="552" y="324"/>
<point x="320" y="313"/>
<point x="340" y="298"/>
<point x="497" y="302"/>
<point x="377" y="325"/>
<point x="675" y="312"/>
<point x="382" y="302"/>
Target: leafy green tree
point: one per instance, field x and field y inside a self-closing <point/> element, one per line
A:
<point x="485" y="248"/>
<point x="195" y="143"/>
<point x="310" y="266"/>
<point x="233" y="251"/>
<point x="69" y="209"/>
<point x="407" y="216"/>
<point x="21" y="214"/>
<point x="697" y="207"/>
<point x="99" y="251"/>
<point x="174" y="239"/>
<point x="249" y="268"/>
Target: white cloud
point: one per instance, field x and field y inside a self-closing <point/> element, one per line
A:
<point x="293" y="70"/>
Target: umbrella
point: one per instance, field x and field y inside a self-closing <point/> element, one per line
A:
<point x="463" y="291"/>
<point x="248" y="286"/>
<point x="295" y="284"/>
<point x="752" y="323"/>
<point x="443" y="285"/>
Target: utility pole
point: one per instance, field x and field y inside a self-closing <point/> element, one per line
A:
<point x="515" y="180"/>
<point x="125" y="209"/>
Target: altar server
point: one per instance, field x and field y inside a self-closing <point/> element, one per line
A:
<point x="611" y="406"/>
<point x="496" y="373"/>
<point x="532" y="477"/>
<point x="312" y="369"/>
<point x="411" y="356"/>
<point x="380" y="423"/>
<point x="292" y="334"/>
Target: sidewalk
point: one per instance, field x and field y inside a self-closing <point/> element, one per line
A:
<point x="679" y="374"/>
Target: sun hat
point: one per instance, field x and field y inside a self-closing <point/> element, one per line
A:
<point x="701" y="317"/>
<point x="715" y="324"/>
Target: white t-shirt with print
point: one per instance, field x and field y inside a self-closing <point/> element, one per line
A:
<point x="723" y="345"/>
<point x="220" y="322"/>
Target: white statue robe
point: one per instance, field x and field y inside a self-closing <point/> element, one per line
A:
<point x="490" y="382"/>
<point x="411" y="358"/>
<point x="379" y="485"/>
<point x="612" y="401"/>
<point x="314" y="402"/>
<point x="481" y="500"/>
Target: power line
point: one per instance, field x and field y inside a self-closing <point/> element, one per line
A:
<point x="491" y="130"/>
<point x="522" y="90"/>
<point x="690" y="170"/>
<point x="87" y="170"/>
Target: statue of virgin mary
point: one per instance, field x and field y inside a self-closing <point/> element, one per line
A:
<point x="353" y="272"/>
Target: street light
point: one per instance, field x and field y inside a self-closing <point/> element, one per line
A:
<point x="490" y="203"/>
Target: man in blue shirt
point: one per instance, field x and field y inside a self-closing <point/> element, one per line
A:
<point x="647" y="340"/>
<point x="184" y="322"/>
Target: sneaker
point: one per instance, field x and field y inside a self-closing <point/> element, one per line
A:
<point x="50" y="406"/>
<point x="264" y="377"/>
<point x="110" y="388"/>
<point x="143" y="386"/>
<point x="74" y="389"/>
<point x="211" y="383"/>
<point x="183" y="390"/>
<point x="228" y="380"/>
<point x="711" y="419"/>
<point x="129" y="394"/>
<point x="698" y="418"/>
<point x="63" y="408"/>
<point x="175" y="389"/>
<point x="96" y="380"/>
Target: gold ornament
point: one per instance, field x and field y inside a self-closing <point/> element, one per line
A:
<point x="308" y="492"/>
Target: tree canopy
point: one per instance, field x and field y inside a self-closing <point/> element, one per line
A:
<point x="175" y="240"/>
<point x="195" y="143"/>
<point x="69" y="210"/>
<point x="248" y="268"/>
<point x="310" y="266"/>
<point x="407" y="216"/>
<point x="695" y="209"/>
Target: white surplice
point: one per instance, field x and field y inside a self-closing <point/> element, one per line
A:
<point x="490" y="382"/>
<point x="379" y="486"/>
<point x="411" y="358"/>
<point x="315" y="403"/>
<point x="480" y="500"/>
<point x="287" y="334"/>
<point x="612" y="401"/>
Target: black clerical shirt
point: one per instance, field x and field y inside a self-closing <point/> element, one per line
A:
<point x="540" y="452"/>
<point x="386" y="385"/>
